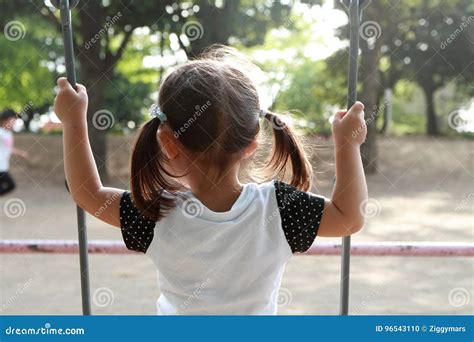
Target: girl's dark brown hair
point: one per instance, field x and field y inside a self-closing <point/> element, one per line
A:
<point x="213" y="108"/>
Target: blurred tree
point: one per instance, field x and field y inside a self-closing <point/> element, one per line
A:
<point x="28" y="66"/>
<point x="104" y="29"/>
<point x="411" y="39"/>
<point x="418" y="45"/>
<point x="126" y="99"/>
<point x="302" y="82"/>
<point x="315" y="90"/>
<point x="217" y="21"/>
<point x="433" y="47"/>
<point x="374" y="17"/>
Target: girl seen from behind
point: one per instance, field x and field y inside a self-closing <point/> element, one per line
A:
<point x="220" y="246"/>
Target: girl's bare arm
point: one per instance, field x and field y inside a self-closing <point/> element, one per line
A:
<point x="81" y="171"/>
<point x="342" y="214"/>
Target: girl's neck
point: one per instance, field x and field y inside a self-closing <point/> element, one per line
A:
<point x="218" y="197"/>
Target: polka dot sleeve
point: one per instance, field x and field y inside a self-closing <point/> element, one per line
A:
<point x="300" y="214"/>
<point x="137" y="230"/>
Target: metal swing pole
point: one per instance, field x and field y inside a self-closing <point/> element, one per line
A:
<point x="354" y="23"/>
<point x="65" y="10"/>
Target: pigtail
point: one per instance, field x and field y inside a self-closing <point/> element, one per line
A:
<point x="287" y="147"/>
<point x="148" y="175"/>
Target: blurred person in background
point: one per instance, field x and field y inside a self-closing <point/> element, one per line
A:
<point x="7" y="121"/>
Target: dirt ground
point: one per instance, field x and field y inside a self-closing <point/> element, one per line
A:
<point x="423" y="191"/>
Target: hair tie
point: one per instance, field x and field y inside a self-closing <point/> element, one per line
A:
<point x="157" y="113"/>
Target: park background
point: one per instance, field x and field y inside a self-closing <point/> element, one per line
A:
<point x="415" y="78"/>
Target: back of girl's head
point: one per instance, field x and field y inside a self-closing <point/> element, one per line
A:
<point x="213" y="108"/>
<point x="211" y="105"/>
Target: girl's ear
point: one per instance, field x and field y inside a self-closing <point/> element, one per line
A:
<point x="250" y="149"/>
<point x="167" y="141"/>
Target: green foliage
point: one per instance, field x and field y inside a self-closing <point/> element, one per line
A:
<point x="307" y="87"/>
<point x="128" y="97"/>
<point x="311" y="88"/>
<point x="27" y="64"/>
<point x="128" y="100"/>
<point x="109" y="57"/>
<point x="428" y="43"/>
<point x="405" y="122"/>
<point x="313" y="94"/>
<point x="408" y="109"/>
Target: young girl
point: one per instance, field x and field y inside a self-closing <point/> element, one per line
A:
<point x="7" y="120"/>
<point x="221" y="247"/>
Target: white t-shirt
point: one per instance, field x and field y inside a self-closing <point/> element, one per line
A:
<point x="225" y="262"/>
<point x="6" y="147"/>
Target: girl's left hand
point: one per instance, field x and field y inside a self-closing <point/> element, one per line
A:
<point x="350" y="126"/>
<point x="70" y="105"/>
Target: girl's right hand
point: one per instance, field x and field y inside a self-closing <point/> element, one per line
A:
<point x="70" y="105"/>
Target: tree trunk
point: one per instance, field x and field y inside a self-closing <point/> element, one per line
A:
<point x="370" y="78"/>
<point x="218" y="27"/>
<point x="93" y="70"/>
<point x="431" y="121"/>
